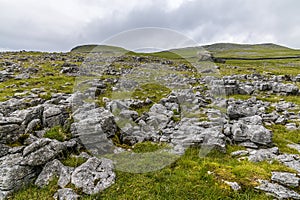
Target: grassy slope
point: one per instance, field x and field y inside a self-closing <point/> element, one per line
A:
<point x="187" y="178"/>
<point x="250" y="51"/>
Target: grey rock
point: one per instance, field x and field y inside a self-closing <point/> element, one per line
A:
<point x="69" y="70"/>
<point x="66" y="194"/>
<point x="54" y="169"/>
<point x="290" y="160"/>
<point x="213" y="138"/>
<point x="29" y="114"/>
<point x="253" y="120"/>
<point x="44" y="150"/>
<point x="270" y="117"/>
<point x="4" y="150"/>
<point x="294" y="146"/>
<point x="234" y="185"/>
<point x="291" y="126"/>
<point x="263" y="154"/>
<point x="284" y="106"/>
<point x="254" y="133"/>
<point x="239" y="153"/>
<point x="33" y="125"/>
<point x="94" y="175"/>
<point x="14" y="104"/>
<point x="53" y="116"/>
<point x="281" y="120"/>
<point x="277" y="190"/>
<point x="129" y="114"/>
<point x="249" y="145"/>
<point x="22" y="76"/>
<point x="94" y="127"/>
<point x="285" y="88"/>
<point x="297" y="78"/>
<point x="259" y="134"/>
<point x="10" y="133"/>
<point x="13" y="175"/>
<point x="285" y="178"/>
<point x="239" y="111"/>
<point x="246" y="89"/>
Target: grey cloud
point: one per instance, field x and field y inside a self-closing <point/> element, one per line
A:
<point x="206" y="21"/>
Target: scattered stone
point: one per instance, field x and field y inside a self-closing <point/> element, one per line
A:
<point x="239" y="153"/>
<point x="234" y="185"/>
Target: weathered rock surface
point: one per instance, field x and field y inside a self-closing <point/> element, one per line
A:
<point x="94" y="175"/>
<point x="54" y="169"/>
<point x="93" y="126"/>
<point x="44" y="150"/>
<point x="277" y="190"/>
<point x="263" y="154"/>
<point x="290" y="160"/>
<point x="14" y="175"/>
<point x="285" y="178"/>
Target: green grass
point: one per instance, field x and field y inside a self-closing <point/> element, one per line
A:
<point x="33" y="192"/>
<point x="190" y="172"/>
<point x="73" y="161"/>
<point x="186" y="178"/>
<point x="250" y="51"/>
<point x="57" y="133"/>
<point x="282" y="137"/>
<point x="20" y="141"/>
<point x="148" y="147"/>
<point x="276" y="67"/>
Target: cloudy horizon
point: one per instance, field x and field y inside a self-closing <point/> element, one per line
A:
<point x="60" y="25"/>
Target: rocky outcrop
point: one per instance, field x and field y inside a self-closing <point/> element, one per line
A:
<point x="22" y="165"/>
<point x="195" y="113"/>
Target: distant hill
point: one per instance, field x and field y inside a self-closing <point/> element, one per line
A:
<point x="250" y="50"/>
<point x="231" y="46"/>
<point x="97" y="49"/>
<point x="223" y="50"/>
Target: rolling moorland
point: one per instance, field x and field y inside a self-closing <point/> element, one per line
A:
<point x="220" y="121"/>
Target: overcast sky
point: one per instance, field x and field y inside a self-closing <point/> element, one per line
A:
<point x="59" y="25"/>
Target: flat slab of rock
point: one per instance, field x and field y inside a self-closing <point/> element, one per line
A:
<point x="285" y="178"/>
<point x="290" y="160"/>
<point x="277" y="190"/>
